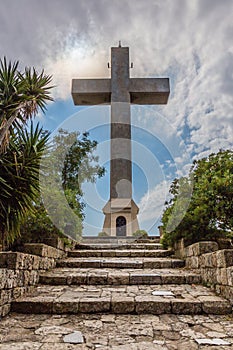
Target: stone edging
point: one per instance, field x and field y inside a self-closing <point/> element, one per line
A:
<point x="215" y="265"/>
<point x="19" y="271"/>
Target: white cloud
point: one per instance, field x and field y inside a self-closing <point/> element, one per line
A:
<point x="189" y="41"/>
<point x="152" y="203"/>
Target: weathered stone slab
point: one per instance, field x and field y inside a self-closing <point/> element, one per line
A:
<point x="214" y="341"/>
<point x="74" y="338"/>
<point x="225" y="258"/>
<point x="65" y="306"/>
<point x="163" y="293"/>
<point x="43" y="250"/>
<point x="208" y="260"/>
<point x="145" y="278"/>
<point x="93" y="305"/>
<point x="200" y="248"/>
<point x="122" y="305"/>
<point x="229" y="271"/>
<point x="186" y="306"/>
<point x="118" y="278"/>
<point x="97" y="278"/>
<point x="193" y="262"/>
<point x="215" y="305"/>
<point x="151" y="305"/>
<point x="33" y="306"/>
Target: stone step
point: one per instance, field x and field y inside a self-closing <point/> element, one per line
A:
<point x="62" y="276"/>
<point x="124" y="246"/>
<point x="119" y="253"/>
<point x="138" y="299"/>
<point x="119" y="240"/>
<point x="122" y="263"/>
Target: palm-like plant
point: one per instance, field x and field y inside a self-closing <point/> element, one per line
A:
<point x="19" y="178"/>
<point x="22" y="95"/>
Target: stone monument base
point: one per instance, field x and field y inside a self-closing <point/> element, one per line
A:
<point x="120" y="217"/>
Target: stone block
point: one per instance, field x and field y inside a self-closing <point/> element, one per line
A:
<point x="4" y="310"/>
<point x="156" y="264"/>
<point x="192" y="262"/>
<point x="18" y="292"/>
<point x="36" y="263"/>
<point x="230" y="275"/>
<point x="118" y="278"/>
<point x="2" y="278"/>
<point x="193" y="279"/>
<point x="33" y="278"/>
<point x="144" y="278"/>
<point x="172" y="279"/>
<point x="66" y="307"/>
<point x="43" y="250"/>
<point x="5" y="296"/>
<point x="209" y="275"/>
<point x="226" y="292"/>
<point x="186" y="307"/>
<point x="32" y="307"/>
<point x="152" y="305"/>
<point x="94" y="278"/>
<point x="122" y="305"/>
<point x="208" y="260"/>
<point x="176" y="264"/>
<point x="11" y="280"/>
<point x="93" y="305"/>
<point x="79" y="278"/>
<point x="180" y="249"/>
<point x="225" y="258"/>
<point x="55" y="242"/>
<point x="215" y="305"/>
<point x="221" y="274"/>
<point x="121" y="253"/>
<point x="200" y="248"/>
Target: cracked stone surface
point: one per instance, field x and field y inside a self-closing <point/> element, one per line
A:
<point x="188" y="299"/>
<point x="117" y="276"/>
<point x="117" y="332"/>
<point x="123" y="263"/>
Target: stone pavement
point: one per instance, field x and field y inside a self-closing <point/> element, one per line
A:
<point x="134" y="296"/>
<point x="116" y="332"/>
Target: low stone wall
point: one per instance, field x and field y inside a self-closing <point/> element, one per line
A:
<point x="215" y="265"/>
<point x="19" y="271"/>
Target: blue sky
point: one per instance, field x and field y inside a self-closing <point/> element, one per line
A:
<point x="188" y="41"/>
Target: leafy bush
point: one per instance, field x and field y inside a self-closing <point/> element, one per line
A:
<point x="103" y="234"/>
<point x="201" y="207"/>
<point x="140" y="234"/>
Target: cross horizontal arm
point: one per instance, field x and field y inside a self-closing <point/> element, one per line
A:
<point x="91" y="91"/>
<point x="149" y="90"/>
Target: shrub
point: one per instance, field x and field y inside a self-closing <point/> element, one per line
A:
<point x="140" y="234"/>
<point x="103" y="234"/>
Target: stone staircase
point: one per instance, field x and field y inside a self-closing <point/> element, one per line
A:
<point x="121" y="278"/>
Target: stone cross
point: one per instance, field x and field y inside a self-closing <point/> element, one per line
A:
<point x="120" y="91"/>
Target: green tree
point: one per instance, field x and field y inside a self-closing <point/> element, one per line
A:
<point x="69" y="163"/>
<point x="201" y="206"/>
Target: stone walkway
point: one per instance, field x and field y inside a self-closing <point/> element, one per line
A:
<point x="129" y="297"/>
<point x="116" y="332"/>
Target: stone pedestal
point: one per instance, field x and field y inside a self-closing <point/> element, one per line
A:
<point x="120" y="217"/>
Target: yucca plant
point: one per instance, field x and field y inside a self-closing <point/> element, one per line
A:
<point x="22" y="95"/>
<point x="19" y="179"/>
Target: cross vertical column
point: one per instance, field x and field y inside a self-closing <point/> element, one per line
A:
<point x="121" y="168"/>
<point x="121" y="207"/>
